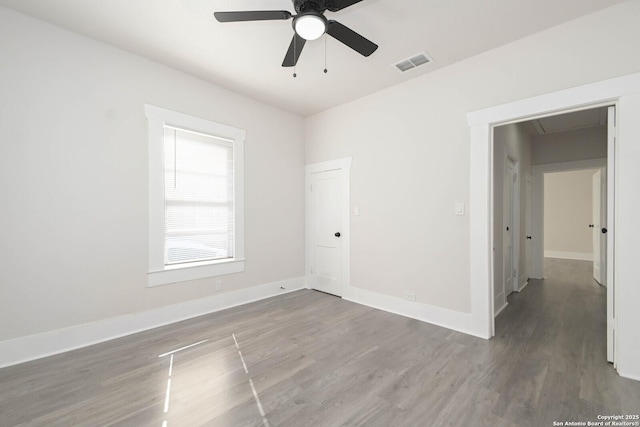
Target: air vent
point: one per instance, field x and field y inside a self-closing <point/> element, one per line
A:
<point x="413" y="62"/>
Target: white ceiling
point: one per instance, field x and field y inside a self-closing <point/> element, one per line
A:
<point x="571" y="121"/>
<point x="246" y="57"/>
<point x="576" y="120"/>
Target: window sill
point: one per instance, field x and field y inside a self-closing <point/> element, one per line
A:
<point x="176" y="273"/>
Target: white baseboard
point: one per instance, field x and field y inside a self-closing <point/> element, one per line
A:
<point x="581" y="256"/>
<point x="461" y="322"/>
<point x="31" y="347"/>
<point x="501" y="308"/>
<point x="629" y="376"/>
<point x="524" y="285"/>
<point x="523" y="281"/>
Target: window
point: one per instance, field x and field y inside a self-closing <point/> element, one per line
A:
<point x="196" y="225"/>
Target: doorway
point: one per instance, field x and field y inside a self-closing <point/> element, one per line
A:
<point x="560" y="145"/>
<point x="569" y="215"/>
<point x="624" y="93"/>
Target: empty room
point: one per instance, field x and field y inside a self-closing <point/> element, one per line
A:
<point x="319" y="213"/>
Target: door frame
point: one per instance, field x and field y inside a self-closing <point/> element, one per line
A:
<point x="516" y="218"/>
<point x="611" y="271"/>
<point x="618" y="90"/>
<point x="528" y="263"/>
<point x="537" y="209"/>
<point x="602" y="207"/>
<point x="343" y="164"/>
<point x="514" y="200"/>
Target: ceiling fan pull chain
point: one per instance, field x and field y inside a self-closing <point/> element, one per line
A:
<point x="325" y="53"/>
<point x="295" y="59"/>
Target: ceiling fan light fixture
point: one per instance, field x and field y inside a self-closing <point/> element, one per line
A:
<point x="310" y="26"/>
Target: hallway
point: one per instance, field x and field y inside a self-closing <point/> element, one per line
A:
<point x="556" y="329"/>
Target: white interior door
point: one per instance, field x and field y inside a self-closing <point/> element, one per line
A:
<point x="507" y="215"/>
<point x="609" y="235"/>
<point x="528" y="249"/>
<point x="326" y="229"/>
<point x="596" y="224"/>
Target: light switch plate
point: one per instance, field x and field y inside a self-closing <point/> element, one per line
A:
<point x="459" y="208"/>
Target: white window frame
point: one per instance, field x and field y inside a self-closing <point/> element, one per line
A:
<point x="159" y="273"/>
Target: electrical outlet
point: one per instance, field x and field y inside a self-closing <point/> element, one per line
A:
<point x="218" y="285"/>
<point x="410" y="296"/>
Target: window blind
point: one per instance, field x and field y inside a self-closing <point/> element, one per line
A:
<point x="198" y="197"/>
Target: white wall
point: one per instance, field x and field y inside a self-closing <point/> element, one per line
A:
<point x="569" y="146"/>
<point x="73" y="180"/>
<point x="514" y="141"/>
<point x="568" y="213"/>
<point x="410" y="148"/>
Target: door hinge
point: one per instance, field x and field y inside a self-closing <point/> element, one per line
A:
<point x="515" y="177"/>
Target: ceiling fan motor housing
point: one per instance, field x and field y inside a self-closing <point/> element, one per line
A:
<point x="302" y="6"/>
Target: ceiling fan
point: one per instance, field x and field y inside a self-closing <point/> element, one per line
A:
<point x="309" y="24"/>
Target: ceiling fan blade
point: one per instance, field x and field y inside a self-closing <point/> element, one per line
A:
<point x="253" y="15"/>
<point x="295" y="48"/>
<point x="336" y="5"/>
<point x="350" y="38"/>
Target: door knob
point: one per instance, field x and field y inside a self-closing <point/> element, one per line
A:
<point x="591" y="225"/>
<point x="529" y="237"/>
<point x="604" y="230"/>
<point x="337" y="234"/>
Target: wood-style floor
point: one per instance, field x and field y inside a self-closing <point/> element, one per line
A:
<point x="310" y="359"/>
